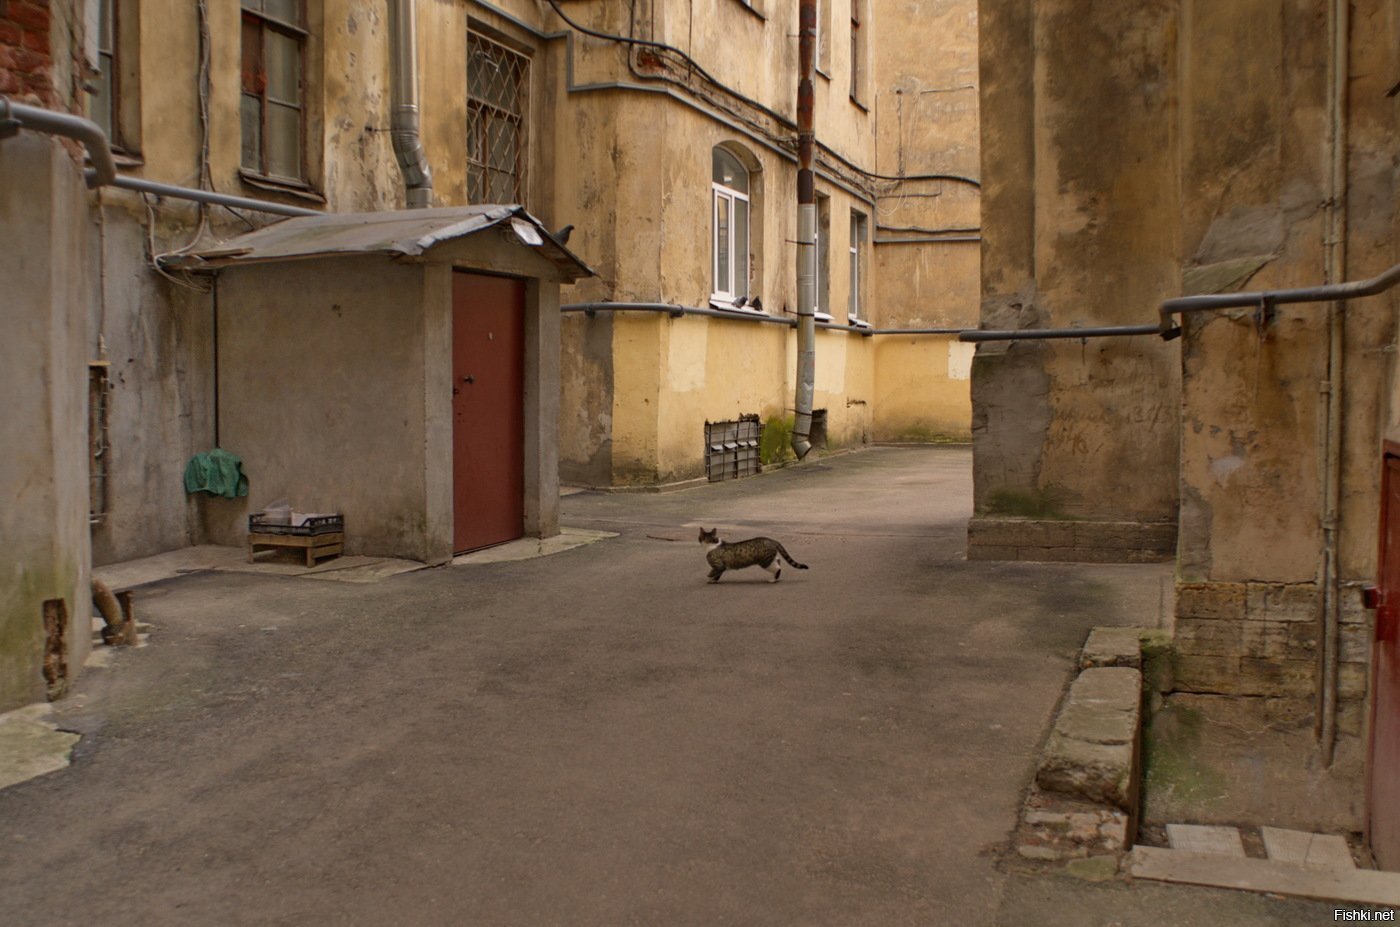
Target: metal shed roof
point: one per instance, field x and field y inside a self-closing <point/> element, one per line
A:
<point x="408" y="232"/>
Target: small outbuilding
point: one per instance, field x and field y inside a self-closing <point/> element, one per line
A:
<point x="398" y="368"/>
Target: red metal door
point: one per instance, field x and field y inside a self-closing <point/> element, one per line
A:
<point x="488" y="410"/>
<point x="1383" y="768"/>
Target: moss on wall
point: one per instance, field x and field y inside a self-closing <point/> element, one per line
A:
<point x="776" y="446"/>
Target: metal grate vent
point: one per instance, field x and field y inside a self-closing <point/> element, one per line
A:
<point x="732" y="448"/>
<point x="498" y="83"/>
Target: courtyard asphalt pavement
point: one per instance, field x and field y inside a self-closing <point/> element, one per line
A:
<point x="599" y="737"/>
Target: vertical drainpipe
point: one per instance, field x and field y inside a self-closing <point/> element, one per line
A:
<point x="1336" y="251"/>
<point x="403" y="96"/>
<point x="806" y="228"/>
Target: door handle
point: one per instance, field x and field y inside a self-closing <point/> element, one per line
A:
<point x="469" y="379"/>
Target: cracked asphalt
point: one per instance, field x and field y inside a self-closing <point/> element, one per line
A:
<point x="598" y="737"/>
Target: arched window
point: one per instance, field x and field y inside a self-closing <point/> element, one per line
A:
<point x="730" y="239"/>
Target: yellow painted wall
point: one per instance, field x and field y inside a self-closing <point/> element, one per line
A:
<point x="921" y="388"/>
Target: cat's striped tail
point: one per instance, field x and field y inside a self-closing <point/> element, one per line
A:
<point x="788" y="557"/>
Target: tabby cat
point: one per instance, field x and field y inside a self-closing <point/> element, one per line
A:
<point x="726" y="555"/>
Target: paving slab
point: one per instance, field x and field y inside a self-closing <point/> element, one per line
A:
<point x="1207" y="840"/>
<point x="1305" y="849"/>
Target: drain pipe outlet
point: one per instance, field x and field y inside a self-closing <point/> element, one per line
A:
<point x="806" y="230"/>
<point x="403" y="95"/>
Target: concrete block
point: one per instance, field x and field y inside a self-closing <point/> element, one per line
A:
<point x="1355" y="643"/>
<point x="1351" y="717"/>
<point x="1015" y="532"/>
<point x="1213" y="674"/>
<point x="1208" y="637"/>
<point x="1264" y="639"/>
<point x="1259" y="676"/>
<point x="1101" y="773"/>
<point x="1351" y="680"/>
<point x="1210" y="600"/>
<point x="990" y="552"/>
<point x="1353" y="610"/>
<point x="1213" y="840"/>
<point x="1112" y="647"/>
<point x="1283" y="601"/>
<point x="1305" y="849"/>
<point x="1302" y="640"/>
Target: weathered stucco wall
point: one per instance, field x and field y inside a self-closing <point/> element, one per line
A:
<point x="921" y="388"/>
<point x="321" y="392"/>
<point x="43" y="375"/>
<point x="157" y="337"/>
<point x="1079" y="228"/>
<point x="1197" y="162"/>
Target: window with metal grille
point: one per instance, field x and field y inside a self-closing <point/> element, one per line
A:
<point x="273" y="113"/>
<point x="98" y="448"/>
<point x="498" y="85"/>
<point x="732" y="448"/>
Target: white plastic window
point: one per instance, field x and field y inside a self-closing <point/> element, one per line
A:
<point x="730" y="230"/>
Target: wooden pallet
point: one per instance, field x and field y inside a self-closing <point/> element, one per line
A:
<point x="315" y="545"/>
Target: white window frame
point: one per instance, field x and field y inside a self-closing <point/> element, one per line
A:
<point x="855" y="306"/>
<point x="738" y="283"/>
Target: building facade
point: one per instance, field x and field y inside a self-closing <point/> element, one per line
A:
<point x="662" y="132"/>
<point x="1216" y="148"/>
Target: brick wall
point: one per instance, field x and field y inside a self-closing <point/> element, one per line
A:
<point x="26" y="59"/>
<point x="1262" y="639"/>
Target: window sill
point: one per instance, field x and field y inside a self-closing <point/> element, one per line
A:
<point x="822" y="316"/>
<point x="823" y="72"/>
<point x="855" y="322"/>
<point x="127" y="160"/>
<point x="859" y="105"/>
<point x="296" y="188"/>
<point x="724" y="305"/>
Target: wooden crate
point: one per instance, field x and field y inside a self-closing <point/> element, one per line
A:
<point x="316" y="546"/>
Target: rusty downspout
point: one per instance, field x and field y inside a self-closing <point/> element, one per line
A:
<point x="119" y="626"/>
<point x="1333" y="386"/>
<point x="403" y="96"/>
<point x="806" y="229"/>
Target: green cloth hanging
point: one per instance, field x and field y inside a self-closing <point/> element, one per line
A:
<point x="216" y="472"/>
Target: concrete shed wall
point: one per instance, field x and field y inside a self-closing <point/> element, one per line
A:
<point x="321" y="392"/>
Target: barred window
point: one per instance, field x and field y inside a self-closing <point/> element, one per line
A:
<point x="498" y="83"/>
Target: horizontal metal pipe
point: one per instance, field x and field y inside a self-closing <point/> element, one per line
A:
<point x="207" y="196"/>
<point x="735" y="315"/>
<point x="1311" y="294"/>
<point x="104" y="169"/>
<point x="929" y="240"/>
<point x="677" y="311"/>
<point x="1039" y="334"/>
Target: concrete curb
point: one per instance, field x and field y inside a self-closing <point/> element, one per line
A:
<point x="1084" y="800"/>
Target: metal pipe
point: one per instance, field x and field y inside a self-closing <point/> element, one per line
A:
<point x="403" y="96"/>
<point x="103" y="170"/>
<point x="1332" y="292"/>
<point x="806" y="229"/>
<point x="204" y="196"/>
<point x="1037" y="334"/>
<point x="1335" y="386"/>
<point x="676" y="312"/>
